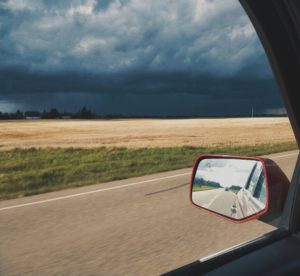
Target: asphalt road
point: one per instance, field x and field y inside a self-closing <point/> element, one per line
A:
<point x="141" y="226"/>
<point x="217" y="200"/>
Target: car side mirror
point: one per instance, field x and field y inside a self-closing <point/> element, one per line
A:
<point x="232" y="187"/>
<point x="236" y="188"/>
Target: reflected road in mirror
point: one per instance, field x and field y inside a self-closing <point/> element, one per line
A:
<point x="235" y="188"/>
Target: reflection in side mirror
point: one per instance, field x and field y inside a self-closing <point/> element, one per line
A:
<point x="233" y="187"/>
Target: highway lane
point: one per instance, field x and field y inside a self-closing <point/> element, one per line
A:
<point x="206" y="198"/>
<point x="117" y="228"/>
<point x="217" y="200"/>
<point x="224" y="203"/>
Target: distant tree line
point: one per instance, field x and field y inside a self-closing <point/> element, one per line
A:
<point x="85" y="113"/>
<point x="198" y="182"/>
<point x="53" y="113"/>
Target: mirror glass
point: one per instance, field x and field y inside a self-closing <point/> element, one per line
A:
<point x="235" y="188"/>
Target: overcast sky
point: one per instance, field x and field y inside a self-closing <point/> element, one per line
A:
<point x="170" y="57"/>
<point x="226" y="172"/>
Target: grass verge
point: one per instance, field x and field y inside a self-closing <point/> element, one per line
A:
<point x="25" y="172"/>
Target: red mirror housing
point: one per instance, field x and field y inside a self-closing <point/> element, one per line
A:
<point x="238" y="188"/>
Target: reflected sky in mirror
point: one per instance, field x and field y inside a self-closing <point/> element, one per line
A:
<point x="227" y="172"/>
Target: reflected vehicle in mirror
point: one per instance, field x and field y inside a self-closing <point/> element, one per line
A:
<point x="252" y="197"/>
<point x="234" y="187"/>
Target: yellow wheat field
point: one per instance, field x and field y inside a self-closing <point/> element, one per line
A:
<point x="144" y="133"/>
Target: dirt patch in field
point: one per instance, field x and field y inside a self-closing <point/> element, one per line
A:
<point x="145" y="133"/>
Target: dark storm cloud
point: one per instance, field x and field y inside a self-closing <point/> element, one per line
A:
<point x="20" y="82"/>
<point x="102" y="5"/>
<point x="147" y="53"/>
<point x="114" y="36"/>
<point x="138" y="93"/>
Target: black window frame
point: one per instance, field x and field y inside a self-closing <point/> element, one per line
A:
<point x="277" y="26"/>
<point x="277" y="23"/>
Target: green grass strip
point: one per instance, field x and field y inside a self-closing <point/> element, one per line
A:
<point x="25" y="172"/>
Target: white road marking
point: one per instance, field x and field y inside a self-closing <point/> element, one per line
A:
<point x="109" y="189"/>
<point x="92" y="192"/>
<point x="286" y="155"/>
<point x="212" y="200"/>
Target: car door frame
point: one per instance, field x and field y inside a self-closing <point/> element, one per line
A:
<point x="277" y="23"/>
